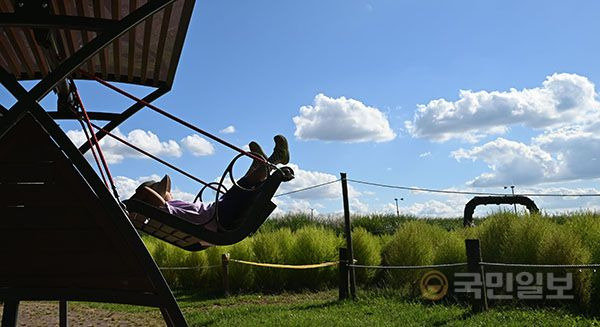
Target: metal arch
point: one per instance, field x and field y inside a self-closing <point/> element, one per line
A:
<point x="485" y="200"/>
<point x="116" y="121"/>
<point x="57" y="22"/>
<point x="100" y="42"/>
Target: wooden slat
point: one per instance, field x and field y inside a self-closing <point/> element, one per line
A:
<point x="7" y="54"/>
<point x="18" y="47"/>
<point x="117" y="43"/>
<point x="146" y="47"/>
<point x="37" y="53"/>
<point x="54" y="240"/>
<point x="131" y="53"/>
<point x="85" y="37"/>
<point x="102" y="53"/>
<point x="31" y="194"/>
<point x="58" y="264"/>
<point x="27" y="172"/>
<point x="62" y="10"/>
<point x="58" y="217"/>
<point x="161" y="41"/>
<point x="79" y="280"/>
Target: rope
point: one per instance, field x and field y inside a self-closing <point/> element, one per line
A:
<point x="523" y="265"/>
<point x="148" y="154"/>
<point x="189" y="268"/>
<point x="424" y="189"/>
<point x="306" y="188"/>
<point x="96" y="143"/>
<point x="445" y="265"/>
<point x="282" y="266"/>
<point x="176" y="119"/>
<point x="467" y="192"/>
<point x="92" y="147"/>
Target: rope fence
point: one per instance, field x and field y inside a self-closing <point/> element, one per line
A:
<point x="284" y="266"/>
<point x="430" y="190"/>
<point x="307" y="188"/>
<point x="189" y="268"/>
<point x="444" y="265"/>
<point x="543" y="266"/>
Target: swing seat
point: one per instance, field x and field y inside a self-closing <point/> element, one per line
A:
<point x="193" y="237"/>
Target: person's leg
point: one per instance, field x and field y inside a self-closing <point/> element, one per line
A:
<point x="236" y="200"/>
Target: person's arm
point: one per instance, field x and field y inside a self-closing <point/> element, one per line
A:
<point x="149" y="195"/>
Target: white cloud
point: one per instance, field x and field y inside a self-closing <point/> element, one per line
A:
<point x="566" y="154"/>
<point x="510" y="162"/>
<point x="228" y="130"/>
<point x="116" y="152"/>
<point x="197" y="145"/>
<point x="433" y="208"/>
<point x="342" y="119"/>
<point x="306" y="178"/>
<point x="562" y="100"/>
<point x="425" y="154"/>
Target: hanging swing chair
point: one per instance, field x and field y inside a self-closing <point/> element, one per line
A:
<point x="192" y="236"/>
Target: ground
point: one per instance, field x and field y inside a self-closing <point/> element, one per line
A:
<point x="306" y="309"/>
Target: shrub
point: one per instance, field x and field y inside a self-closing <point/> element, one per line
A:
<point x="367" y="251"/>
<point x="587" y="226"/>
<point x="272" y="247"/>
<point x="412" y="245"/>
<point x="563" y="246"/>
<point x="314" y="245"/>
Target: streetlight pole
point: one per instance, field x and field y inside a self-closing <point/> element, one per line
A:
<point x="398" y="209"/>
<point x="311" y="213"/>
<point x="512" y="188"/>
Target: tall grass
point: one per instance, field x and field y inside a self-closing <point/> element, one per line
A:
<point x="505" y="237"/>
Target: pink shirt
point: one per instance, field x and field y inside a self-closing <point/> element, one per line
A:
<point x="197" y="213"/>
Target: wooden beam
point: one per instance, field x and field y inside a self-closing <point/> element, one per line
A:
<point x="57" y="22"/>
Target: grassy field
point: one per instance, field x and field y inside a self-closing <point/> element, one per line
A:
<point x="322" y="308"/>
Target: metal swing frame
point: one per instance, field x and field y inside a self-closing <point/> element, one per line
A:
<point x="27" y="109"/>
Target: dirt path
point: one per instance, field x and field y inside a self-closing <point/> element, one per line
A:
<point x="33" y="314"/>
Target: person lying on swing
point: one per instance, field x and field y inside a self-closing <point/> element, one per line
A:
<point x="230" y="205"/>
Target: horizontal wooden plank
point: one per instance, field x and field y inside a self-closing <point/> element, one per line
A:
<point x="33" y="194"/>
<point x="30" y="218"/>
<point x="115" y="282"/>
<point x="56" y="264"/>
<point x="38" y="171"/>
<point x="11" y="240"/>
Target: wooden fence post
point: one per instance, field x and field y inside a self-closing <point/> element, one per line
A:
<point x="474" y="266"/>
<point x="343" y="270"/>
<point x="62" y="314"/>
<point x="225" y="273"/>
<point x="348" y="232"/>
<point x="10" y="313"/>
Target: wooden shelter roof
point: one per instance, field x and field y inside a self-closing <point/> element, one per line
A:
<point x="146" y="55"/>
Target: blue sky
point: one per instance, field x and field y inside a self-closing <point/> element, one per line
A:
<point x="379" y="84"/>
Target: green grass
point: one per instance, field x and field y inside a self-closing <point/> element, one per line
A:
<point x="373" y="308"/>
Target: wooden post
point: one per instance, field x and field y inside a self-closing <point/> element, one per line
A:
<point x="62" y="313"/>
<point x="343" y="270"/>
<point x="10" y="314"/>
<point x="225" y="273"/>
<point x="348" y="231"/>
<point x="474" y="266"/>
